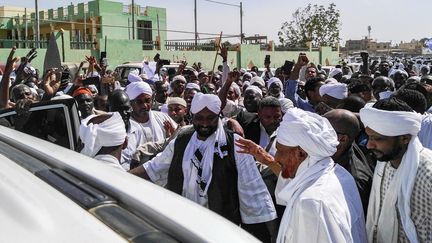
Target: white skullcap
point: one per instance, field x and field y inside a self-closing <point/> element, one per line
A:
<point x="391" y="123"/>
<point x="274" y="80"/>
<point x="135" y="89"/>
<point x="254" y="88"/>
<point x="286" y="104"/>
<point x="176" y="101"/>
<point x="210" y="101"/>
<point x="257" y="80"/>
<point x="334" y="72"/>
<point x="334" y="89"/>
<point x="178" y="77"/>
<point x="312" y="132"/>
<point x="193" y="86"/>
<point x="134" y="77"/>
<point x="111" y="132"/>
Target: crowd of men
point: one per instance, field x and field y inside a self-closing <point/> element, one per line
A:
<point x="298" y="155"/>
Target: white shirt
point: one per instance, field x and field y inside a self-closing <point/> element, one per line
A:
<point x="109" y="160"/>
<point x="329" y="210"/>
<point x="256" y="205"/>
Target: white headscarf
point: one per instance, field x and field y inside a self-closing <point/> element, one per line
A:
<point x="111" y="132"/>
<point x="398" y="195"/>
<point x="201" y="101"/>
<point x="133" y="76"/>
<point x="334" y="89"/>
<point x="334" y="72"/>
<point x="258" y="80"/>
<point x="135" y="89"/>
<point x="276" y="81"/>
<point x="315" y="135"/>
<point x="193" y="86"/>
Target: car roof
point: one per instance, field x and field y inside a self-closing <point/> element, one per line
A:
<point x="176" y="216"/>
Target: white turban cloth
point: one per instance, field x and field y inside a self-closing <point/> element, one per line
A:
<point x="257" y="80"/>
<point x="313" y="133"/>
<point x="274" y="80"/>
<point x="135" y="89"/>
<point x="210" y="101"/>
<point x="254" y="88"/>
<point x="393" y="123"/>
<point x="193" y="86"/>
<point x="334" y="89"/>
<point x="334" y="72"/>
<point x="133" y="76"/>
<point x="111" y="132"/>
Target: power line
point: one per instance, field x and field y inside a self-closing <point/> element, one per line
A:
<point x="222" y="3"/>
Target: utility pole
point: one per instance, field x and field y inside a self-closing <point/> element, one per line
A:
<point x="37" y="23"/>
<point x="133" y="20"/>
<point x="196" y="31"/>
<point x="241" y="23"/>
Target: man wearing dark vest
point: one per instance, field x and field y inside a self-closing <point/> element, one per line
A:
<point x="201" y="165"/>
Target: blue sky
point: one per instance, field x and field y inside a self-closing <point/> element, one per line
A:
<point x="391" y="20"/>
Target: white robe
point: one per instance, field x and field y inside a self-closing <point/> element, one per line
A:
<point x="328" y="210"/>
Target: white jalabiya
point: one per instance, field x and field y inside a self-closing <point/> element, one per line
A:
<point x="398" y="195"/>
<point x="312" y="214"/>
<point x="111" y="132"/>
<point x="190" y="171"/>
<point x="425" y="133"/>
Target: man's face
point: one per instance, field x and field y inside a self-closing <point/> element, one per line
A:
<point x="177" y="112"/>
<point x="384" y="68"/>
<point x="141" y="106"/>
<point x="231" y="94"/>
<point x="274" y="90"/>
<point x="289" y="158"/>
<point x="314" y="96"/>
<point x="161" y="93"/>
<point x="85" y="104"/>
<point x="383" y="147"/>
<point x="310" y="73"/>
<point x="270" y="118"/>
<point x="205" y="123"/>
<point x="399" y="79"/>
<point x="211" y="89"/>
<point x="22" y="92"/>
<point x="251" y="100"/>
<point x="178" y="86"/>
<point x="189" y="97"/>
<point x="345" y="70"/>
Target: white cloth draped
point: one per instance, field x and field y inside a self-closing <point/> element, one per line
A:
<point x="111" y="132"/>
<point x="398" y="195"/>
<point x="208" y="149"/>
<point x="201" y="101"/>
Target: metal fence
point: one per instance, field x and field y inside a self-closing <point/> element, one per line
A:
<point x="23" y="43"/>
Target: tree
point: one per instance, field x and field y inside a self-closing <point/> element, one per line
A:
<point x="315" y="23"/>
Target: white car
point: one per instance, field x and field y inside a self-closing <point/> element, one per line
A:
<point x="50" y="193"/>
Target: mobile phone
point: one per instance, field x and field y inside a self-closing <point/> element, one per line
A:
<point x="287" y="67"/>
<point x="267" y="59"/>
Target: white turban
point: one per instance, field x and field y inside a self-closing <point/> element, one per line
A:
<point x="133" y="76"/>
<point x="236" y="88"/>
<point x="257" y="80"/>
<point x="193" y="86"/>
<point x="247" y="74"/>
<point x="393" y="123"/>
<point x="313" y="133"/>
<point x="135" y="89"/>
<point x="334" y="72"/>
<point x="210" y="101"/>
<point x="274" y="80"/>
<point x="334" y="89"/>
<point x="254" y="88"/>
<point x="111" y="132"/>
<point x="286" y="104"/>
<point x="179" y="77"/>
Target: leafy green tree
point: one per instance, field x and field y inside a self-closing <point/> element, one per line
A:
<point x="314" y="23"/>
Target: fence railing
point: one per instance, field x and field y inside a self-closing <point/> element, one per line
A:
<point x="83" y="44"/>
<point x="8" y="43"/>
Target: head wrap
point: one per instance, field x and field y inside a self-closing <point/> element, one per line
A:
<point x="80" y="91"/>
<point x="334" y="72"/>
<point x="276" y="81"/>
<point x="236" y="88"/>
<point x="248" y="74"/>
<point x="111" y="132"/>
<point x="334" y="89"/>
<point x="254" y="88"/>
<point x="257" y="80"/>
<point x="393" y="123"/>
<point x="193" y="86"/>
<point x="176" y="101"/>
<point x="201" y="101"/>
<point x="135" y="89"/>
<point x="93" y="89"/>
<point x="133" y="76"/>
<point x="286" y="104"/>
<point x="312" y="132"/>
<point x="178" y="77"/>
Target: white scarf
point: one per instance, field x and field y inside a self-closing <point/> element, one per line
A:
<point x="288" y="191"/>
<point x="398" y="195"/>
<point x="191" y="189"/>
<point x="156" y="126"/>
